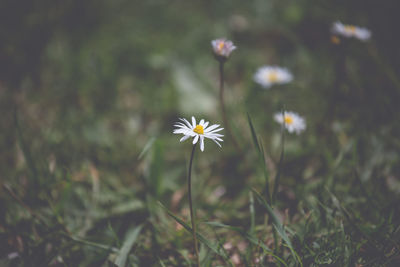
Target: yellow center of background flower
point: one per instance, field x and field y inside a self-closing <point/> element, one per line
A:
<point x="272" y="77"/>
<point x="350" y="28"/>
<point x="335" y="39"/>
<point x="288" y="120"/>
<point x="221" y="46"/>
<point x="198" y="129"/>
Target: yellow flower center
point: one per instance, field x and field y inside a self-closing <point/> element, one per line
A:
<point x="198" y="129"/>
<point x="221" y="46"/>
<point x="350" y="28"/>
<point x="335" y="39"/>
<point x="288" y="120"/>
<point x="272" y="77"/>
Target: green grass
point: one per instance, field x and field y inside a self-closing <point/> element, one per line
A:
<point x="91" y="174"/>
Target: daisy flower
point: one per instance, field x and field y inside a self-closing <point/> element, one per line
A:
<point x="293" y="122"/>
<point x="198" y="131"/>
<point x="362" y="34"/>
<point x="270" y="75"/>
<point x="222" y="48"/>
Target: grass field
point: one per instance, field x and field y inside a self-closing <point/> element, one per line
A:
<point x="92" y="174"/>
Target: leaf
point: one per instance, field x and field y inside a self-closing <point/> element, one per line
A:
<point x="261" y="157"/>
<point x="126" y="207"/>
<point x="277" y="224"/>
<point x="253" y="133"/>
<point x="130" y="240"/>
<point x="201" y="238"/>
<point x="147" y="146"/>
<point x="155" y="175"/>
<point x="90" y="243"/>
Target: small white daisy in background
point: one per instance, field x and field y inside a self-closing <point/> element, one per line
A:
<point x="362" y="34"/>
<point x="198" y="131"/>
<point x="293" y="122"/>
<point x="267" y="76"/>
<point x="222" y="48"/>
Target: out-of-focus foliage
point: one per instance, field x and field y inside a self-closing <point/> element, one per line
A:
<point x="89" y="93"/>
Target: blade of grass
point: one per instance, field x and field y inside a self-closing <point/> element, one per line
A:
<point x="253" y="133"/>
<point x="261" y="157"/>
<point x="161" y="262"/>
<point x="91" y="243"/>
<point x="26" y="152"/>
<point x="147" y="146"/>
<point x="375" y="245"/>
<point x="26" y="207"/>
<point x="220" y="245"/>
<point x="252" y="213"/>
<point x="277" y="224"/>
<point x="201" y="238"/>
<point x="130" y="240"/>
<point x="113" y="233"/>
<point x="249" y="237"/>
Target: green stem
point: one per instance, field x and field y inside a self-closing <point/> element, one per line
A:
<point x="192" y="219"/>
<point x="221" y="101"/>
<point x="384" y="66"/>
<point x="280" y="163"/>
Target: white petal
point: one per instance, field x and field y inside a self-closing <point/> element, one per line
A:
<point x="212" y="127"/>
<point x="184" y="138"/>
<point x="202" y="123"/>
<point x="205" y="124"/>
<point x="278" y="117"/>
<point x="195" y="139"/>
<point x="187" y="122"/>
<point x="190" y="133"/>
<point x="193" y="122"/>
<point x="212" y="136"/>
<point x="182" y="131"/>
<point x="181" y="125"/>
<point x="179" y="131"/>
<point x="216" y="130"/>
<point x="202" y="143"/>
<point x="217" y="143"/>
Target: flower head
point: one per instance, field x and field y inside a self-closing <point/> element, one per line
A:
<point x="222" y="48"/>
<point x="198" y="131"/>
<point x="362" y="34"/>
<point x="270" y="75"/>
<point x="292" y="121"/>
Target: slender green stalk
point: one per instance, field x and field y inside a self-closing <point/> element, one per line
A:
<point x="192" y="217"/>
<point x="221" y="102"/>
<point x="383" y="66"/>
<point x="280" y="163"/>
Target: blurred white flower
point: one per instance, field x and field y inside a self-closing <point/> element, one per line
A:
<point x="351" y="31"/>
<point x="267" y="76"/>
<point x="293" y="122"/>
<point x="198" y="131"/>
<point x="222" y="48"/>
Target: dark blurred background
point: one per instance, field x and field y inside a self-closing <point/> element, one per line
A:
<point x="85" y="85"/>
<point x="67" y="67"/>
